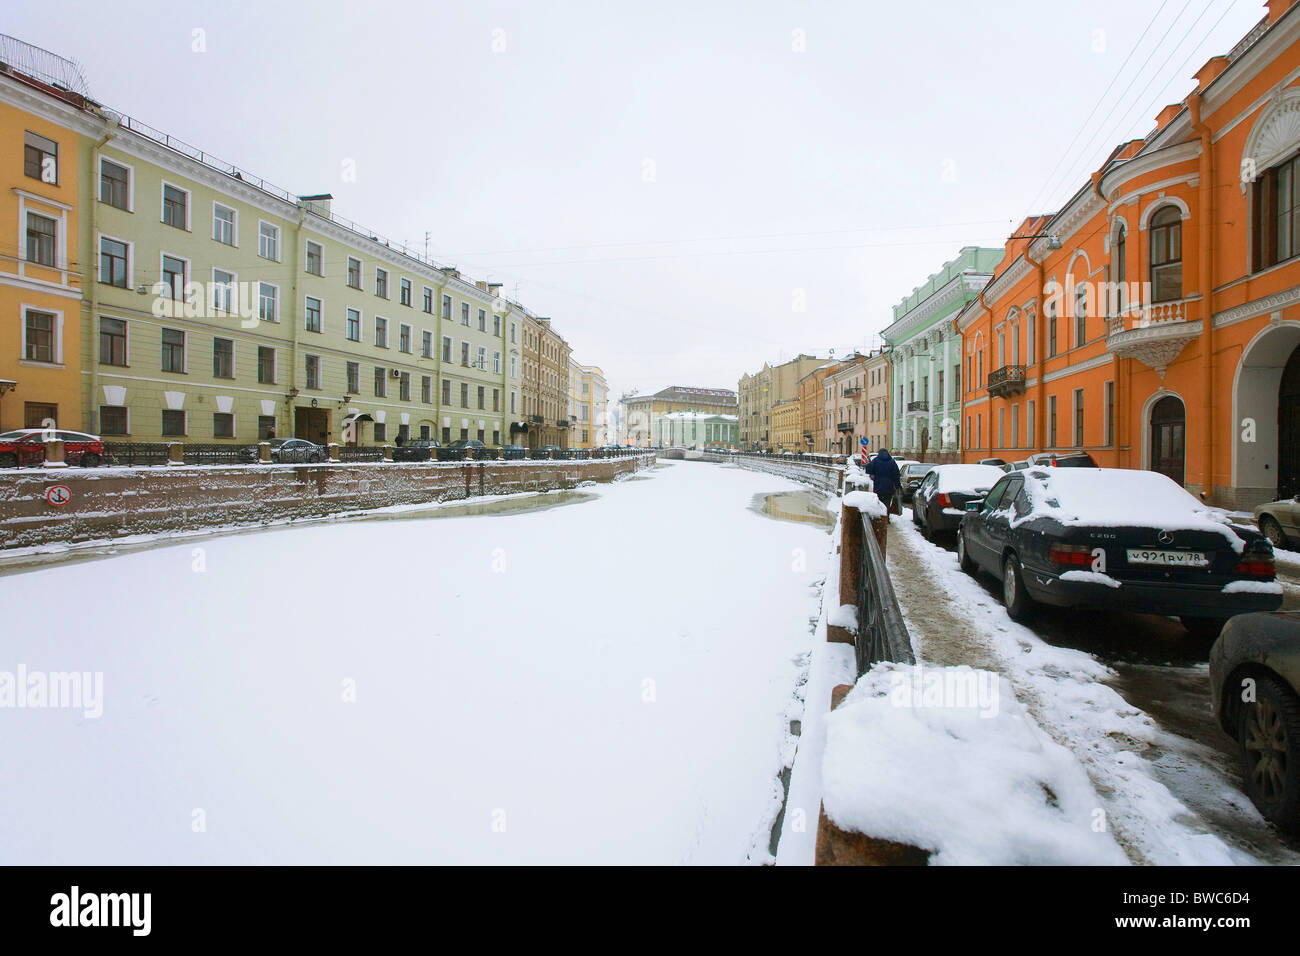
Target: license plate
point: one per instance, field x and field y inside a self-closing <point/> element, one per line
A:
<point x="1174" y="559"/>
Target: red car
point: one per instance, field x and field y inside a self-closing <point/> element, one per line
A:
<point x="26" y="448"/>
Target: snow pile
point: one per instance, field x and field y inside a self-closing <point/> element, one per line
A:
<point x="845" y="616"/>
<point x="1121" y="498"/>
<point x="1252" y="587"/>
<point x="867" y="502"/>
<point x="969" y="777"/>
<point x="1091" y="577"/>
<point x="968" y="479"/>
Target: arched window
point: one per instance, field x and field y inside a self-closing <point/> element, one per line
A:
<point x="1167" y="255"/>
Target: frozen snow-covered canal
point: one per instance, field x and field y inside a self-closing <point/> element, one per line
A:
<point x="609" y="680"/>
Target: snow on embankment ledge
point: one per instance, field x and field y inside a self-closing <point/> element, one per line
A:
<point x="946" y="759"/>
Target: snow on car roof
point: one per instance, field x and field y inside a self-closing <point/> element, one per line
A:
<point x="967" y="479"/>
<point x="1121" y="498"/>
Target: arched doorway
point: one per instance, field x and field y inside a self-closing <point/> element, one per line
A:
<point x="1288" y="429"/>
<point x="1169" y="438"/>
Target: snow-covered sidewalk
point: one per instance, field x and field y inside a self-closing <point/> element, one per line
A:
<point x="610" y="681"/>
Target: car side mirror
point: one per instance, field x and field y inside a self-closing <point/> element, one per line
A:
<point x="974" y="504"/>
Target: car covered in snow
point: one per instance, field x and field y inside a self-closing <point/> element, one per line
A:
<point x="1280" y="521"/>
<point x="1116" y="538"/>
<point x="1068" y="459"/>
<point x="1255" y="689"/>
<point x="25" y="447"/>
<point x="910" y="477"/>
<point x="939" y="503"/>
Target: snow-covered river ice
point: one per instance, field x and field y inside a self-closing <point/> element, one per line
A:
<point x="606" y="677"/>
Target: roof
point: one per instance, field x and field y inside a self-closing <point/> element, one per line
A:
<point x="686" y="392"/>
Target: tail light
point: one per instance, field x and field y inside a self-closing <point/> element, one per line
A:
<point x="1256" y="566"/>
<point x="1075" y="555"/>
<point x="943" y="500"/>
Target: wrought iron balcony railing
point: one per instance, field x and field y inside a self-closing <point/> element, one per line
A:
<point x="1007" y="380"/>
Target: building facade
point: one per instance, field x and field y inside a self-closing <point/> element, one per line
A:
<point x="811" y="419"/>
<point x="877" y="368"/>
<point x="769" y="386"/>
<point x="925" y="350"/>
<point x="786" y="421"/>
<point x="696" y="430"/>
<point x="588" y="405"/>
<point x="641" y="412"/>
<point x="1156" y="323"/>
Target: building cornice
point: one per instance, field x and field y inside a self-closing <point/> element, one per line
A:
<point x="935" y="307"/>
<point x="1257" y="307"/>
<point x="1146" y="162"/>
<point x="1007" y="279"/>
<point x="19" y="95"/>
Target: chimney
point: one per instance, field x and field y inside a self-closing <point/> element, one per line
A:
<point x="318" y="204"/>
<point x="1168" y="113"/>
<point x="1210" y="72"/>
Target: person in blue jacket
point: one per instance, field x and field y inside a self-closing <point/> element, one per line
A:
<point x="883" y="471"/>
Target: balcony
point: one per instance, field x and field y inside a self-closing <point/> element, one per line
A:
<point x="851" y="391"/>
<point x="918" y="409"/>
<point x="1007" y="381"/>
<point x="536" y="419"/>
<point x="844" y="427"/>
<point x="563" y="423"/>
<point x="1153" y="334"/>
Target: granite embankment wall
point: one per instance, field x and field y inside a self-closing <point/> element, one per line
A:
<point x="116" y="502"/>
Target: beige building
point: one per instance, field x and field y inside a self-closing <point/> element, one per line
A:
<point x="642" y="412"/>
<point x="848" y="395"/>
<point x="770" y="386"/>
<point x="588" y="405"/>
<point x="877" y="368"/>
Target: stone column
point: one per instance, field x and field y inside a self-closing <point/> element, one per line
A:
<point x="264" y="452"/>
<point x="54" y="454"/>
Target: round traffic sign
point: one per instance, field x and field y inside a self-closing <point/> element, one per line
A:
<point x="58" y="495"/>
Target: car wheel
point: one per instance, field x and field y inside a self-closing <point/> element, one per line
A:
<point x="1014" y="596"/>
<point x="8" y="460"/>
<point x="1273" y="531"/>
<point x="963" y="556"/>
<point x="1268" y="732"/>
<point x="1204" y="628"/>
<point x="916" y="515"/>
<point x="90" y="460"/>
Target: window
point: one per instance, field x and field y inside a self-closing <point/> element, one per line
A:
<point x="354" y="378"/>
<point x="1081" y="314"/>
<point x="223" y="224"/>
<point x="426" y="344"/>
<point x="354" y="272"/>
<point x="496" y="365"/>
<point x="42" y="235"/>
<point x="464" y="395"/>
<point x="223" y="358"/>
<point x="265" y="427"/>
<point x="1167" y="255"/>
<point x="1110" y="412"/>
<point x="482" y="358"/>
<point x="428" y="300"/>
<point x="313" y="371"/>
<point x="464" y="313"/>
<point x="40" y="158"/>
<point x="175" y="207"/>
<point x="404" y="292"/>
<point x="315" y="258"/>
<point x="112" y="419"/>
<point x="446" y="307"/>
<point x="223" y="425"/>
<point x="446" y="392"/>
<point x="446" y="348"/>
<point x="173" y="350"/>
<point x="1051" y="328"/>
<point x="464" y="354"/>
<point x="1119" y="269"/>
<point x="381" y="283"/>
<point x="482" y="321"/>
<point x="173" y="275"/>
<point x="1015" y="425"/>
<point x="1276" y="213"/>
<point x="1078" y="418"/>
<point x="312" y="315"/>
<point x="481" y="397"/>
<point x="40" y="336"/>
<point x="268" y="302"/>
<point x="381" y="332"/>
<point x="426" y="390"/>
<point x="223" y="290"/>
<point x="513" y="397"/>
<point x="112" y="342"/>
<point x="173" y="423"/>
<point x="381" y="382"/>
<point x="265" y="365"/>
<point x="446" y="434"/>
<point x="404" y="386"/>
<point x="1031" y="321"/>
<point x="512" y="333"/>
<point x="496" y="400"/>
<point x="354" y="325"/>
<point x="381" y="431"/>
<point x="404" y="338"/>
<point x="514" y="367"/>
<point x="114" y="184"/>
<point x="1030" y="437"/>
<point x="268" y="243"/>
<point x="113" y="260"/>
<point x="1051" y="421"/>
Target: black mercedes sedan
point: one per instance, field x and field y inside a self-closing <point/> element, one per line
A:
<point x="1118" y="539"/>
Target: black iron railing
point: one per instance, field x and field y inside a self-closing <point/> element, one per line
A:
<point x="361" y="453"/>
<point x="1007" y="380"/>
<point x="136" y="453"/>
<point x="209" y="454"/>
<point x="882" y="633"/>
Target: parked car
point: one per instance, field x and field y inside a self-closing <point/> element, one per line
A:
<point x="1255" y="689"/>
<point x="1069" y="459"/>
<point x="1280" y="521"/>
<point x="1015" y="466"/>
<point x="939" y="503"/>
<point x="416" y="449"/>
<point x="295" y="450"/>
<point x="514" y="452"/>
<point x="992" y="461"/>
<point x="1116" y="538"/>
<point x="912" y="475"/>
<point x="547" y="451"/>
<point x="26" y="447"/>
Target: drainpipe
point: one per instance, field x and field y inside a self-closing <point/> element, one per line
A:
<point x="1205" y="236"/>
<point x="1040" y="389"/>
<point x="91" y="277"/>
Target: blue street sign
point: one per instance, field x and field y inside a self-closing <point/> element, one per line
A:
<point x="864" y="443"/>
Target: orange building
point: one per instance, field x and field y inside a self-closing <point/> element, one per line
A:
<point x="1154" y="320"/>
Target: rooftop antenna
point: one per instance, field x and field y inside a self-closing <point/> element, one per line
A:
<point x="426" y="244"/>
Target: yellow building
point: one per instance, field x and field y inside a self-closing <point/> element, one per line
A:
<point x="786" y="425"/>
<point x="45" y="141"/>
<point x="588" y="406"/>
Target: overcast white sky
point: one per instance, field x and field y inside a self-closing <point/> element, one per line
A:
<point x="667" y="180"/>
